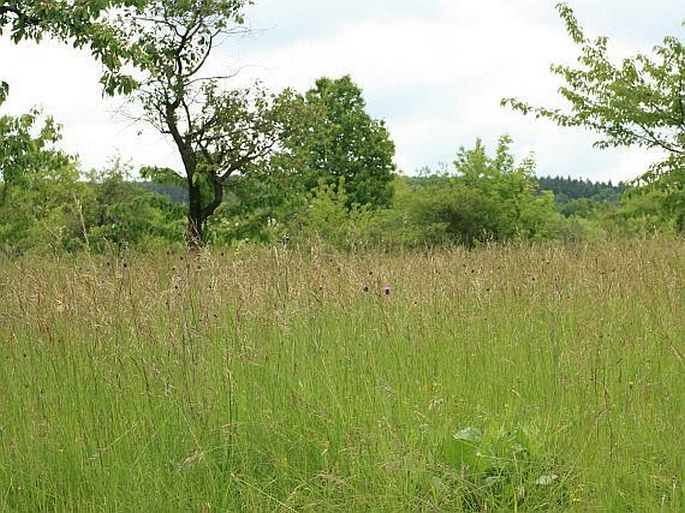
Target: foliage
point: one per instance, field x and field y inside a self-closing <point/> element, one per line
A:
<point x="396" y="228"/>
<point x="639" y="102"/>
<point x="262" y="205"/>
<point x="331" y="137"/>
<point x="49" y="208"/>
<point x="173" y="192"/>
<point x="43" y="215"/>
<point x="500" y="469"/>
<point x="124" y="214"/>
<point x="28" y="150"/>
<point x="266" y="210"/>
<point x="489" y="199"/>
<point x="39" y="191"/>
<point x="330" y="218"/>
<point x="314" y="167"/>
<point x="582" y="207"/>
<point x="647" y="211"/>
<point x="328" y="141"/>
<point x="428" y="179"/>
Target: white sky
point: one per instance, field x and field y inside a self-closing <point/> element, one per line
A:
<point x="435" y="70"/>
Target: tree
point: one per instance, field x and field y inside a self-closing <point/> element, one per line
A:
<point x="217" y="132"/>
<point x="639" y="102"/>
<point x="333" y="137"/>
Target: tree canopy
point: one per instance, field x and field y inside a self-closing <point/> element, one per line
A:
<point x="334" y="137"/>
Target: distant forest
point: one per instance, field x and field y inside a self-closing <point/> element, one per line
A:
<point x="568" y="189"/>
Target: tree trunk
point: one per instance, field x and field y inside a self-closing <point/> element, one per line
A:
<point x="194" y="231"/>
<point x="199" y="213"/>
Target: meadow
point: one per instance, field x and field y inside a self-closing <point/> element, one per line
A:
<point x="506" y="378"/>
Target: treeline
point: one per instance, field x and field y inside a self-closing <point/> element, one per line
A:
<point x="483" y="198"/>
<point x="330" y="180"/>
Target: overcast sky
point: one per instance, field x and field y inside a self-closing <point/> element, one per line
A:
<point x="435" y="70"/>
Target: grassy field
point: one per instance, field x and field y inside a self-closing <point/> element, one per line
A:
<point x="544" y="378"/>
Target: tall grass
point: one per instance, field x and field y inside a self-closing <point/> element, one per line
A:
<point x="543" y="378"/>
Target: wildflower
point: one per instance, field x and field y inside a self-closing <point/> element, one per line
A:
<point x="366" y="287"/>
<point x="386" y="290"/>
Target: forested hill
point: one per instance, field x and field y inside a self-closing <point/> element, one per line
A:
<point x="568" y="189"/>
<point x="564" y="189"/>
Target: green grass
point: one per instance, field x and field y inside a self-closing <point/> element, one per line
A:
<point x="543" y="378"/>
